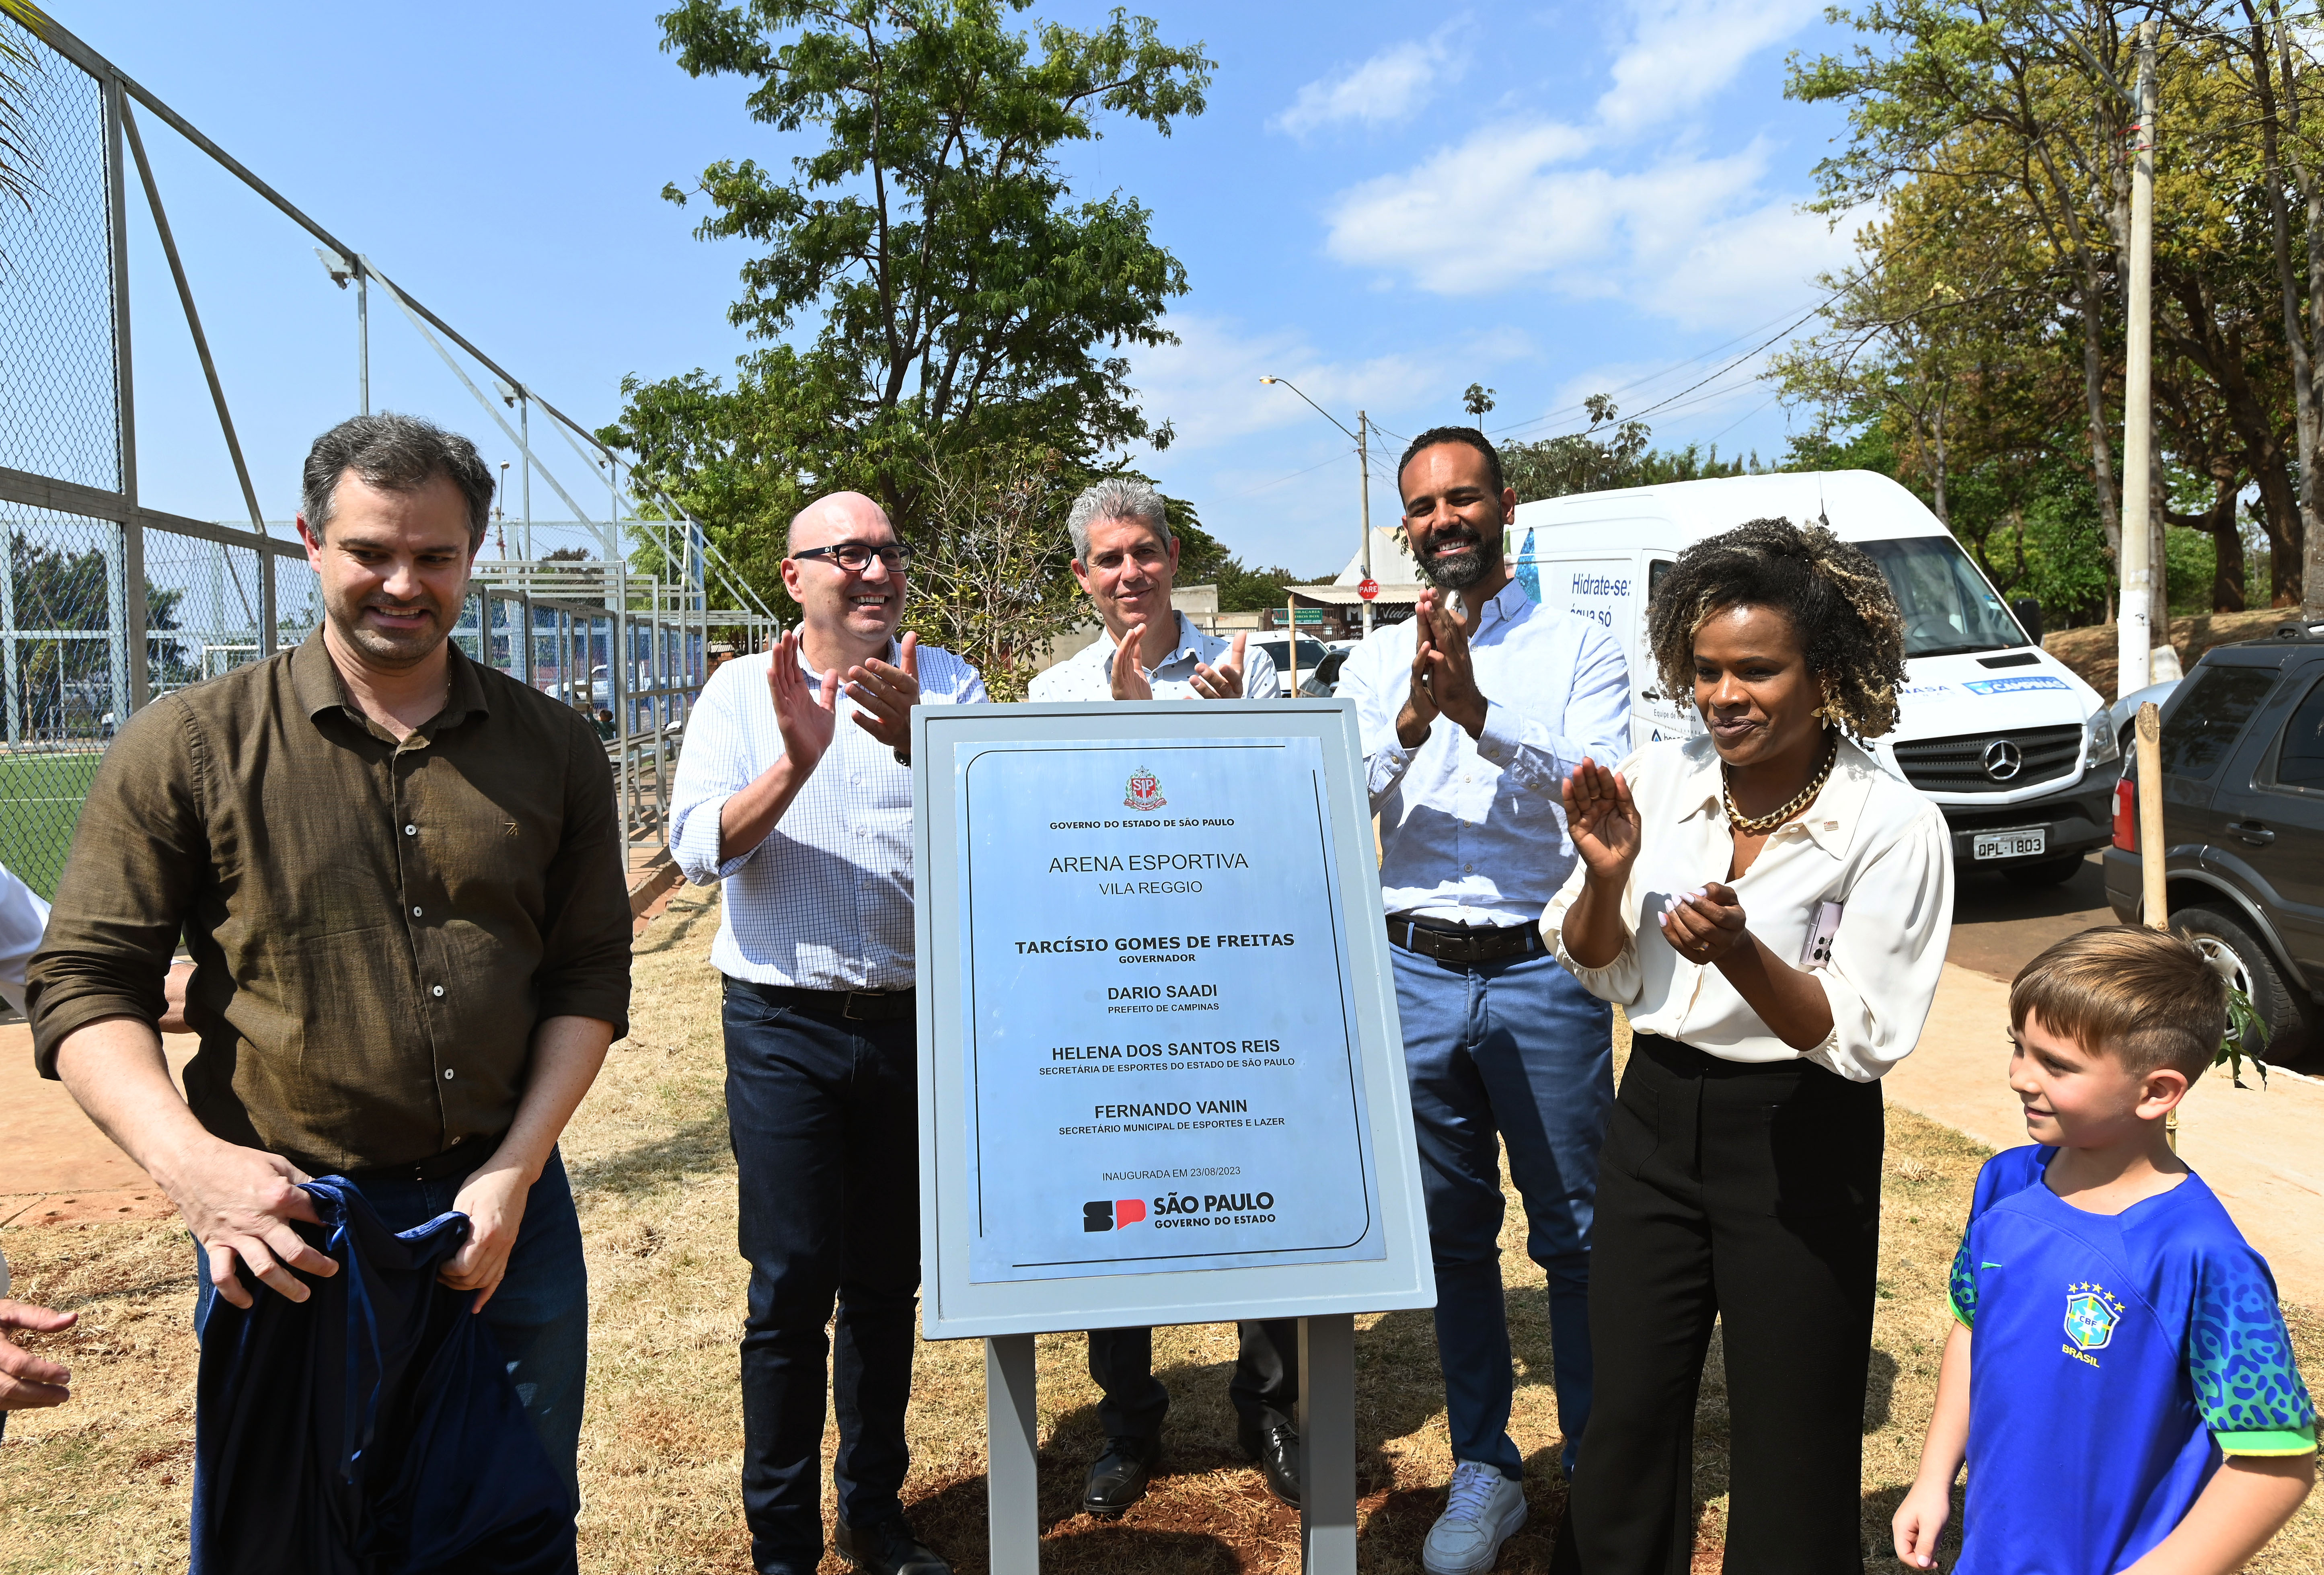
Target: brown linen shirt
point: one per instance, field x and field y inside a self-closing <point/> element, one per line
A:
<point x="377" y="927"/>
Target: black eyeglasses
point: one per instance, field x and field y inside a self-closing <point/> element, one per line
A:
<point x="856" y="556"/>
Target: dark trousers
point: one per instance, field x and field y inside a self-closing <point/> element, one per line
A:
<point x="1265" y="1387"/>
<point x="540" y="1315"/>
<point x="1514" y="1054"/>
<point x="1749" y="1195"/>
<point x="824" y="1118"/>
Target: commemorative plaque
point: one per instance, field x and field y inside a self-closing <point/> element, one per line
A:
<point x="1161" y="1075"/>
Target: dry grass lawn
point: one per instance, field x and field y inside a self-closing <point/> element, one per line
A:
<point x="102" y="1485"/>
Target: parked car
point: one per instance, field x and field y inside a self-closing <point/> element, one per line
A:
<point x="1312" y="655"/>
<point x="2243" y="822"/>
<point x="2015" y="748"/>
<point x="2125" y="711"/>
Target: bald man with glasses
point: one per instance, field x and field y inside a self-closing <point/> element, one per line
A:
<point x="795" y="789"/>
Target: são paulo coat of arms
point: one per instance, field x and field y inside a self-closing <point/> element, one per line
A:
<point x="2090" y="1316"/>
<point x="1145" y="791"/>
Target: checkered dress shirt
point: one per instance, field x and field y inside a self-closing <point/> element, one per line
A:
<point x="826" y="902"/>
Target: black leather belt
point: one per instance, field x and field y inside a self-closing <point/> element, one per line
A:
<point x="846" y="1006"/>
<point x="459" y="1160"/>
<point x="1452" y="943"/>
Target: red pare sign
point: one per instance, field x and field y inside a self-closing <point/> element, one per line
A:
<point x="1367" y="589"/>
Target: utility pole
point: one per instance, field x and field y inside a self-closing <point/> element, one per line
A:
<point x="363" y="337"/>
<point x="2135" y="630"/>
<point x="1364" y="460"/>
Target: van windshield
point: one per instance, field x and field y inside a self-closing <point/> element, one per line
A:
<point x="1948" y="607"/>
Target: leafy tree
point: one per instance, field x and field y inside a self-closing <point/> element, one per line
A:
<point x="1584" y="462"/>
<point x="1254" y="590"/>
<point x="20" y="160"/>
<point x="1478" y="400"/>
<point x="959" y="299"/>
<point x="65" y="684"/>
<point x="990" y="580"/>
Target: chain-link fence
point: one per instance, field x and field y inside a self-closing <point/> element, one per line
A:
<point x="106" y="604"/>
<point x="65" y="622"/>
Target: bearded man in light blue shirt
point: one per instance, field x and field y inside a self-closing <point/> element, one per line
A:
<point x="1473" y="713"/>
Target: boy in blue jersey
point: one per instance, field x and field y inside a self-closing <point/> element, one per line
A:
<point x="2118" y="1377"/>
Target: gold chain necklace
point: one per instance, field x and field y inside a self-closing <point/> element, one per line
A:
<point x="1760" y="826"/>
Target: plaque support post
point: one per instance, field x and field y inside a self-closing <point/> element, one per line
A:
<point x="1012" y="1492"/>
<point x="1327" y="1445"/>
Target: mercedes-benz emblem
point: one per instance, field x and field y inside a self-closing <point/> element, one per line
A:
<point x="2003" y="760"/>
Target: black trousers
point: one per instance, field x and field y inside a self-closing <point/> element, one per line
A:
<point x="1265" y="1387"/>
<point x="1749" y="1195"/>
<point x="825" y="1121"/>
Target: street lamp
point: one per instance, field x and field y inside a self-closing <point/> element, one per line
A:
<point x="1364" y="461"/>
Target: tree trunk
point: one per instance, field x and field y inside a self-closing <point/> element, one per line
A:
<point x="2093" y="395"/>
<point x="2311" y="535"/>
<point x="2225" y="531"/>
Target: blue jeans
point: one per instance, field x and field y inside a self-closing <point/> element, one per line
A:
<point x="1520" y="1052"/>
<point x="539" y="1316"/>
<point x="824" y="1115"/>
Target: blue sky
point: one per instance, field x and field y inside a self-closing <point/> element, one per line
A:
<point x="1382" y="207"/>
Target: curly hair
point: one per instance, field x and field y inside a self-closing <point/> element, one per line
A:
<point x="1831" y="591"/>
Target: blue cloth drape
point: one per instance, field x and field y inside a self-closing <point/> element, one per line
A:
<point x="371" y="1429"/>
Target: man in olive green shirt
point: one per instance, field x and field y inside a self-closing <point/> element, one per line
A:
<point x="399" y="876"/>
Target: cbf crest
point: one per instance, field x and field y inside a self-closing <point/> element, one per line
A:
<point x="1145" y="792"/>
<point x="2090" y="1316"/>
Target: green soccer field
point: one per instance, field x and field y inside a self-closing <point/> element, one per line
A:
<point x="40" y="803"/>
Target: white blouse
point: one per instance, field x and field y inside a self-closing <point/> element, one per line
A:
<point x="1870" y="842"/>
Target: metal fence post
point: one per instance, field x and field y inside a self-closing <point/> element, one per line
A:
<point x="129" y="614"/>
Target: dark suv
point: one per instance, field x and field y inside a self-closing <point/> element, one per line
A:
<point x="2243" y="806"/>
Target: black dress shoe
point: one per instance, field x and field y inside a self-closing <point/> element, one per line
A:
<point x="1274" y="1445"/>
<point x="1118" y="1479"/>
<point x="888" y="1548"/>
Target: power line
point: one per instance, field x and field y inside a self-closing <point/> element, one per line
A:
<point x="1657" y="375"/>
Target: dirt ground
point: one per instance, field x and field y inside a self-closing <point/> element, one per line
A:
<point x="101" y="1485"/>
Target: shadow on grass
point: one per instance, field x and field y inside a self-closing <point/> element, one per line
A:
<point x="671" y="1160"/>
<point x="1162" y="1533"/>
<point x="677" y="921"/>
<point x="1879" y="1390"/>
<point x="1880" y="1533"/>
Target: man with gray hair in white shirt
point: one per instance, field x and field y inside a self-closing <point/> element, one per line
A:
<point x="1125" y="558"/>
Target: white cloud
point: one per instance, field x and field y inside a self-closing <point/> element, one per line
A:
<point x="1682" y="51"/>
<point x="1207" y="385"/>
<point x="1597" y="211"/>
<point x="1388" y="88"/>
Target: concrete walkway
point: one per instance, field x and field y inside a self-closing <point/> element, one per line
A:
<point x="2257" y="1147"/>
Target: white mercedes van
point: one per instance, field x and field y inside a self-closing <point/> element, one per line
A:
<point x="2019" y="753"/>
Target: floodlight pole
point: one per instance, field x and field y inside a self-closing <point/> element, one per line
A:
<point x="363" y="337"/>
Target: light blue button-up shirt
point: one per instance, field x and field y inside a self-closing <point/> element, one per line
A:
<point x="826" y="902"/>
<point x="1474" y="829"/>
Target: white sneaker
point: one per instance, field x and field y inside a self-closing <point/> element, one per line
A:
<point x="1482" y="1510"/>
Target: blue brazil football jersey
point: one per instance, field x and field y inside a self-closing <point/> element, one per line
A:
<point x="2113" y="1359"/>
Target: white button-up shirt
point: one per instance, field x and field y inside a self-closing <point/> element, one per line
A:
<point x="23" y="918"/>
<point x="826" y="902"/>
<point x="1868" y="843"/>
<point x="1088" y="673"/>
<point x="1474" y="829"/>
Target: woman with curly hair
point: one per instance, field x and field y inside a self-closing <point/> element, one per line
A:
<point x="1771" y="908"/>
